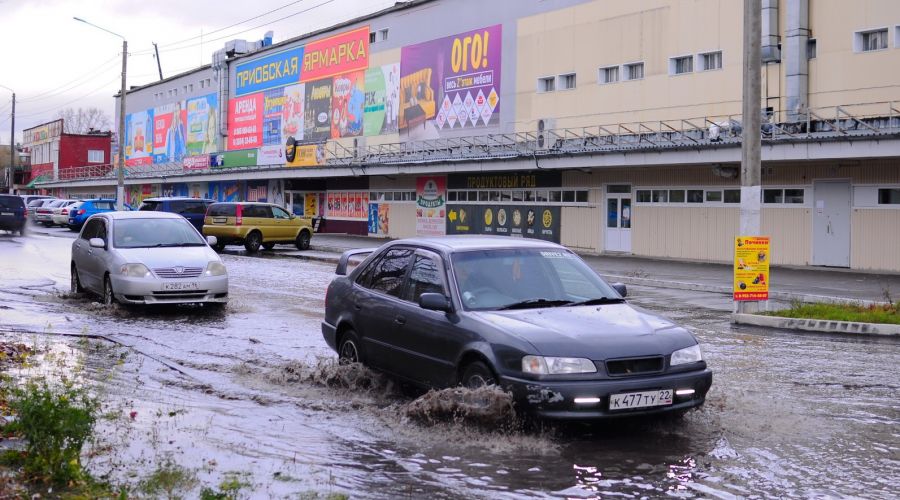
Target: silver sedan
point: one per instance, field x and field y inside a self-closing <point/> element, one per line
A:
<point x="147" y="258"/>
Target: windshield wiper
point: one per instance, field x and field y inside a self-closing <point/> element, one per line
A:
<point x="527" y="304"/>
<point x="598" y="301"/>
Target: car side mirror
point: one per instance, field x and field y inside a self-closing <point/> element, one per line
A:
<point x="435" y="302"/>
<point x="97" y="243"/>
<point x="620" y="287"/>
<point x="212" y="240"/>
<point x="293" y="216"/>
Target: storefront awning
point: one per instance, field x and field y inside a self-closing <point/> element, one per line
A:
<point x="40" y="178"/>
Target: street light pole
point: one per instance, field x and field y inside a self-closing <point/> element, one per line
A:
<point x="120" y="185"/>
<point x="750" y="139"/>
<point x="10" y="174"/>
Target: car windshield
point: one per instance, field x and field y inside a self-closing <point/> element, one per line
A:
<point x="151" y="232"/>
<point x="527" y="278"/>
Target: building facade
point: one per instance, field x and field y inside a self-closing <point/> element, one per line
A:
<point x="607" y="126"/>
<point x="55" y="154"/>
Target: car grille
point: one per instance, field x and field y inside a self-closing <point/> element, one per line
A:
<point x="634" y="366"/>
<point x="172" y="272"/>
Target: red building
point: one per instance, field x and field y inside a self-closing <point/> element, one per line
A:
<point x="58" y="155"/>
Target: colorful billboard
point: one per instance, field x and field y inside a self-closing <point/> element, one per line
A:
<point x="451" y="82"/>
<point x="292" y="112"/>
<point x="317" y="115"/>
<point x="347" y="99"/>
<point x="245" y="122"/>
<point x="139" y="138"/>
<point x="382" y="100"/>
<point x="276" y="70"/>
<point x="307" y="155"/>
<point x="231" y="159"/>
<point x="169" y="132"/>
<point x="202" y="117"/>
<point x="431" y="205"/>
<point x="522" y="221"/>
<point x="751" y="267"/>
<point x="341" y="53"/>
<point x="42" y="133"/>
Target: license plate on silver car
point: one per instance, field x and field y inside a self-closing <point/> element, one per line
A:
<point x="640" y="399"/>
<point x="7" y="213"/>
<point x="189" y="285"/>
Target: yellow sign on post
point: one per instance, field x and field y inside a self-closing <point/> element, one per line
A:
<point x="751" y="268"/>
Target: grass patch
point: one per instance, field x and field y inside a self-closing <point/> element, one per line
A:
<point x="876" y="313"/>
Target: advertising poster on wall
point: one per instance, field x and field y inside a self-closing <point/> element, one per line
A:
<point x="276" y="192"/>
<point x="348" y="97"/>
<point x="257" y="190"/>
<point x="214" y="191"/>
<point x="451" y="82"/>
<point x="311" y="207"/>
<point x="329" y="205"/>
<point x="308" y="155"/>
<point x="169" y="132"/>
<point x="197" y="190"/>
<point x="275" y="70"/>
<point x="431" y="205"/>
<point x="384" y="217"/>
<point x="751" y="267"/>
<point x="245" y="121"/>
<point x="317" y="115"/>
<point x="139" y="138"/>
<point x="373" y="218"/>
<point x="232" y="159"/>
<point x="202" y="128"/>
<point x="272" y="150"/>
<point x="195" y="162"/>
<point x="382" y="100"/>
<point x="231" y="191"/>
<point x="523" y="221"/>
<point x="292" y="112"/>
<point x="335" y="55"/>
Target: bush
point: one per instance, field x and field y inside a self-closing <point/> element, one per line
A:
<point x="55" y="421"/>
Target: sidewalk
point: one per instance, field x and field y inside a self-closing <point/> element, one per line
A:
<point x="808" y="284"/>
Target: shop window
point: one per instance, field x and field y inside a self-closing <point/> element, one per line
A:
<point x="483" y="196"/>
<point x="451" y="195"/>
<point x="568" y="196"/>
<point x="494" y="195"/>
<point x="643" y="196"/>
<point x="889" y="196"/>
<point x="773" y="196"/>
<point x="529" y="195"/>
<point x="518" y="196"/>
<point x="732" y="196"/>
<point x="555" y="196"/>
<point x="676" y="196"/>
<point x="505" y="195"/>
<point x="793" y="196"/>
<point x="714" y="197"/>
<point x="541" y="195"/>
<point x="618" y="188"/>
<point x="581" y="196"/>
<point x="695" y="196"/>
<point x="660" y="196"/>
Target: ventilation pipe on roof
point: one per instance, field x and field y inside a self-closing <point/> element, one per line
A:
<point x="770" y="51"/>
<point x="796" y="60"/>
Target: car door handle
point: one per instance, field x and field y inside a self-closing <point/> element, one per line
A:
<point x="400" y="320"/>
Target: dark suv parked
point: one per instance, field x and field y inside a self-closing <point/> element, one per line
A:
<point x="192" y="209"/>
<point x="12" y="213"/>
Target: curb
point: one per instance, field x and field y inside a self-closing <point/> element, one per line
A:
<point x="816" y="325"/>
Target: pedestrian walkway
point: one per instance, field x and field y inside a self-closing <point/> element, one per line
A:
<point x="787" y="283"/>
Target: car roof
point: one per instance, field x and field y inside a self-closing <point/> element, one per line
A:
<point x="174" y="198"/>
<point x="464" y="242"/>
<point x="140" y="215"/>
<point x="243" y="203"/>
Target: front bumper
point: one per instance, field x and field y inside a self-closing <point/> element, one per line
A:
<point x="60" y="220"/>
<point x="153" y="290"/>
<point x="556" y="400"/>
<point x="43" y="217"/>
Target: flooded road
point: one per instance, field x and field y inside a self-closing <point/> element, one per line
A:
<point x="236" y="394"/>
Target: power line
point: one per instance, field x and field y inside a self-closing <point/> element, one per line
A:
<point x="66" y="87"/>
<point x="98" y="89"/>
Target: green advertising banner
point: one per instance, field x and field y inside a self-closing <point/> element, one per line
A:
<point x="232" y="159"/>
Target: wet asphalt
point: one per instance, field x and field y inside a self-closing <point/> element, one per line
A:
<point x="789" y="415"/>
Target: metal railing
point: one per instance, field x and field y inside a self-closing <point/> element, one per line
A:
<point x="835" y="122"/>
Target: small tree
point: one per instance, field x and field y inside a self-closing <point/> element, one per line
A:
<point x="82" y="120"/>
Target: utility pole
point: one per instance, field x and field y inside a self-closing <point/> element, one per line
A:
<point x="750" y="139"/>
<point x="11" y="173"/>
<point x="158" y="64"/>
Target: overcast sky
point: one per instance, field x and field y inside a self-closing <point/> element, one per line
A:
<point x="53" y="62"/>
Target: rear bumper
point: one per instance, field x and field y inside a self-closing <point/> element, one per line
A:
<point x="556" y="400"/>
<point x="152" y="290"/>
<point x="330" y="334"/>
<point x="225" y="234"/>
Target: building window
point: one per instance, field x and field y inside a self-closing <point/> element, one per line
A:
<point x="567" y="82"/>
<point x="676" y="196"/>
<point x="732" y="196"/>
<point x="811" y="48"/>
<point x="695" y="196"/>
<point x="681" y="65"/>
<point x="547" y="84"/>
<point x="783" y="196"/>
<point x="372" y="36"/>
<point x="383" y="35"/>
<point x="710" y="61"/>
<point x="714" y="197"/>
<point x="609" y="75"/>
<point x="868" y="41"/>
<point x="643" y="195"/>
<point x="634" y="71"/>
<point x="889" y="196"/>
<point x="773" y="196"/>
<point x="660" y="196"/>
<point x="95" y="156"/>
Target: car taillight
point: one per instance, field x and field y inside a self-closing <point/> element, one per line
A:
<point x="64" y="211"/>
<point x="26" y="212"/>
<point x="238" y="216"/>
<point x="81" y="212"/>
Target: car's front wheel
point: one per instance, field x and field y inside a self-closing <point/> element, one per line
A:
<point x="109" y="298"/>
<point x="253" y="242"/>
<point x="348" y="348"/>
<point x="76" y="282"/>
<point x="477" y="374"/>
<point x="303" y="240"/>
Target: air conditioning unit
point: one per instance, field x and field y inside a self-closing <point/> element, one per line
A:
<point x="544" y="125"/>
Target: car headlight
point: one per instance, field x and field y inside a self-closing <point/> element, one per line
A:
<point x="215" y="268"/>
<point x="543" y="365"/>
<point x="687" y="355"/>
<point x="135" y="271"/>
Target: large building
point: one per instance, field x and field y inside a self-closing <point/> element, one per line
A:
<point x="605" y="125"/>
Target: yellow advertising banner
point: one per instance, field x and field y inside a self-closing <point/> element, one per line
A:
<point x="308" y="155"/>
<point x="751" y="268"/>
<point x="312" y="205"/>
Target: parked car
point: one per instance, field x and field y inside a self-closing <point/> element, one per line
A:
<point x="88" y="208"/>
<point x="527" y="315"/>
<point x="36" y="203"/>
<point x="60" y="215"/>
<point x="44" y="213"/>
<point x="254" y="225"/>
<point x="192" y="209"/>
<point x="147" y="258"/>
<point x="28" y="198"/>
<point x="13" y="213"/>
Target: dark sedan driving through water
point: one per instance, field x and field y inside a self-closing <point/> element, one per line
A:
<point x="527" y="315"/>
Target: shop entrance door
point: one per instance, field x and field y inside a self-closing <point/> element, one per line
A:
<point x="617" y="236"/>
<point x="303" y="203"/>
<point x="831" y="224"/>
